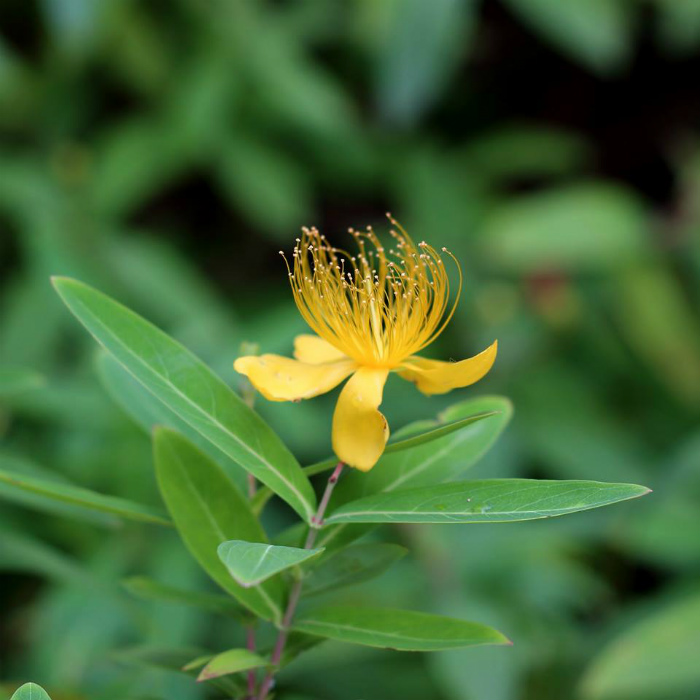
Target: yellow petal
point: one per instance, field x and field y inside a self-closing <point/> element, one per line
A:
<point x="315" y="350"/>
<point x="280" y="378"/>
<point x="435" y="377"/>
<point x="360" y="431"/>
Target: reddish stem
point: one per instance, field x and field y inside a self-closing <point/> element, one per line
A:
<point x="295" y="593"/>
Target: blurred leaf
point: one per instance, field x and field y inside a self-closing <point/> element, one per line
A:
<point x="596" y="33"/>
<point x="492" y="500"/>
<point x="679" y="25"/>
<point x="207" y="510"/>
<point x="148" y="589"/>
<point x="15" y="380"/>
<point x="401" y="630"/>
<point x="192" y="390"/>
<point x="526" y="151"/>
<point x="78" y="496"/>
<point x="134" y="160"/>
<point x="251" y="563"/>
<point x="582" y="227"/>
<point x="419" y="53"/>
<point x="148" y="412"/>
<point x="661" y="326"/>
<point x="356" y="564"/>
<point x="19" y="467"/>
<point x="231" y="661"/>
<point x="30" y="691"/>
<point x="656" y="657"/>
<point x="24" y="553"/>
<point x="265" y="184"/>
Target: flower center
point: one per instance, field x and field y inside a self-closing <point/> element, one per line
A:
<point x="375" y="307"/>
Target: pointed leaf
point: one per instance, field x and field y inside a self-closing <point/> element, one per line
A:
<point x="231" y="661"/>
<point x="490" y="500"/>
<point x="207" y="510"/>
<point x="188" y="387"/>
<point x="78" y="496"/>
<point x="355" y="564"/>
<point x="657" y="656"/>
<point x="148" y="589"/>
<point x="251" y="563"/>
<point x="402" y="630"/>
<point x="417" y="434"/>
<point x="30" y="691"/>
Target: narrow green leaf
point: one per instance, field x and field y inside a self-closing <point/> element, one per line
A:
<point x="251" y="563"/>
<point x="174" y="660"/>
<point x="410" y="437"/>
<point x="30" y="691"/>
<point x="148" y="589"/>
<point x="16" y="380"/>
<point x="78" y="496"/>
<point x="19" y="466"/>
<point x="207" y="510"/>
<point x="657" y="656"/>
<point x="487" y="501"/>
<point x="147" y="412"/>
<point x="192" y="390"/>
<point x="450" y="454"/>
<point x="402" y="630"/>
<point x="355" y="564"/>
<point x="231" y="661"/>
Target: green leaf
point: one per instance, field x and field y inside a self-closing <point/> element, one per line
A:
<point x="487" y="501"/>
<point x="597" y="33"/>
<point x="179" y="660"/>
<point x="251" y="563"/>
<point x="207" y="510"/>
<point x="355" y="564"/>
<point x="78" y="496"/>
<point x="231" y="661"/>
<point x="606" y="228"/>
<point x="30" y="691"/>
<point x="402" y="630"/>
<point x="655" y="657"/>
<point x="420" y="434"/>
<point x="192" y="390"/>
<point x="19" y="466"/>
<point x="147" y="412"/>
<point x="16" y="380"/>
<point x="480" y="422"/>
<point x="147" y="589"/>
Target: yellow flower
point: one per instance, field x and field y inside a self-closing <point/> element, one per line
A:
<point x="371" y="313"/>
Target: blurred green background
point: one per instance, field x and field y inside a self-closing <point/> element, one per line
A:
<point x="165" y="151"/>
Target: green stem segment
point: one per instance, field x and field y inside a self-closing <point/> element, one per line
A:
<point x="295" y="593"/>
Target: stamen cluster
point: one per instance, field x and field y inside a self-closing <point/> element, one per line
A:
<point x="374" y="306"/>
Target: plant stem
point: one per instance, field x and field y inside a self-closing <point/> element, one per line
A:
<point x="295" y="593"/>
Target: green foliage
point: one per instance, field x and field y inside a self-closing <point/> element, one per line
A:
<point x="403" y="630"/>
<point x="207" y="510"/>
<point x="656" y="656"/>
<point x="251" y="563"/>
<point x="191" y="390"/>
<point x="165" y="156"/>
<point x="490" y="501"/>
<point x="30" y="691"/>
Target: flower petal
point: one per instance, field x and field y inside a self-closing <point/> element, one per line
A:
<point x="280" y="378"/>
<point x="360" y="431"/>
<point x="315" y="350"/>
<point x="435" y="377"/>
